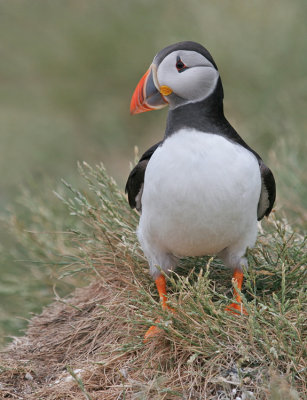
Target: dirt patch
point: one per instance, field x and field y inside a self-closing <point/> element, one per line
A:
<point x="71" y="335"/>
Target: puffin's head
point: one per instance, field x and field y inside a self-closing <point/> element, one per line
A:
<point x="180" y="74"/>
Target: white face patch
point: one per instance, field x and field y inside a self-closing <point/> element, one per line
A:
<point x="194" y="83"/>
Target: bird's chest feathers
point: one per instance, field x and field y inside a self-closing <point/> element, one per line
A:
<point x="191" y="162"/>
<point x="196" y="182"/>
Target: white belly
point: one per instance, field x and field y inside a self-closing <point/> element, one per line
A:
<point x="200" y="195"/>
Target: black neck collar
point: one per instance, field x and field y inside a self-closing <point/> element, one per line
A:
<point x="206" y="115"/>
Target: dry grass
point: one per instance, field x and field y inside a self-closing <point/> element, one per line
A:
<point x="90" y="345"/>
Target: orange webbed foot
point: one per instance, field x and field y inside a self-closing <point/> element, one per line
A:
<point x="236" y="309"/>
<point x="161" y="286"/>
<point x="152" y="332"/>
<point x="155" y="330"/>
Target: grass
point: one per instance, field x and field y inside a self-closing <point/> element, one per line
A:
<point x="203" y="352"/>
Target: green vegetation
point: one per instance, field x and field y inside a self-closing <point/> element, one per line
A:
<point x="96" y="335"/>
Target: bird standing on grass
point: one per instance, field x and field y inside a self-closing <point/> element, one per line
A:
<point x="201" y="189"/>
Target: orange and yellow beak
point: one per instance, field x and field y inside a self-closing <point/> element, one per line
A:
<point x="146" y="96"/>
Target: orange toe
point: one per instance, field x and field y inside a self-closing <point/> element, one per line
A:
<point x="151" y="332"/>
<point x="237" y="309"/>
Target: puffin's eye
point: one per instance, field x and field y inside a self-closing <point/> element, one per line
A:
<point x="180" y="65"/>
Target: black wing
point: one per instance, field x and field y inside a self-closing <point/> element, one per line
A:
<point x="268" y="191"/>
<point x="135" y="182"/>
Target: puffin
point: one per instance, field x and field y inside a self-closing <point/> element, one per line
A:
<point x="201" y="190"/>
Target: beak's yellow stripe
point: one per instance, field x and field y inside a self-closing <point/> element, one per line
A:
<point x="165" y="90"/>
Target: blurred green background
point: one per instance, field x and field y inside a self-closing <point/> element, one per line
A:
<point x="67" y="72"/>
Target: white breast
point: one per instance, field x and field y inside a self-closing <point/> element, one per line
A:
<point x="200" y="196"/>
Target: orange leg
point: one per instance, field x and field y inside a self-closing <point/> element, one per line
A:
<point x="161" y="286"/>
<point x="234" y="307"/>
